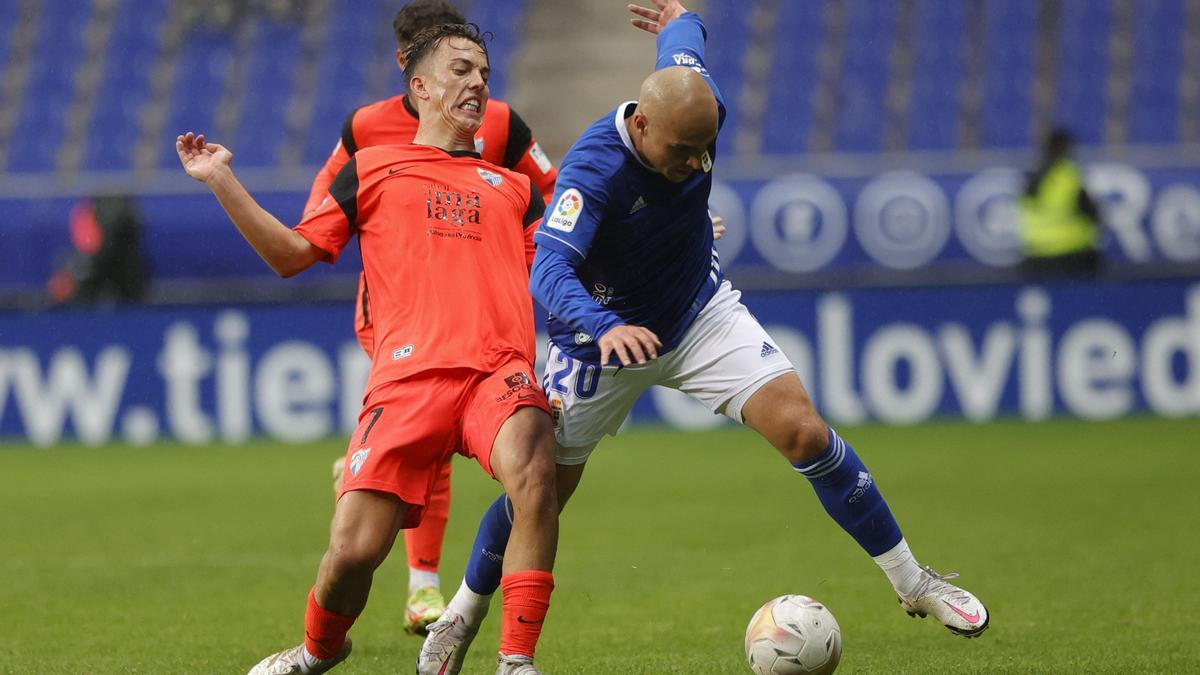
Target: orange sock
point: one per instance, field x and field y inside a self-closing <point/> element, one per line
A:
<point x="324" y="631"/>
<point x="526" y="600"/>
<point x="424" y="542"/>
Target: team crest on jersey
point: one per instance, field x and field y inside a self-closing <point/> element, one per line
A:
<point x="494" y="179"/>
<point x="706" y="162"/>
<point x="358" y="459"/>
<point x="566" y="211"/>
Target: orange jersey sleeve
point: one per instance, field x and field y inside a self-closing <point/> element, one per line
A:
<point x="330" y="225"/>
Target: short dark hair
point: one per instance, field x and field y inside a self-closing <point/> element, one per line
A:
<point x="422" y="14"/>
<point x="427" y="40"/>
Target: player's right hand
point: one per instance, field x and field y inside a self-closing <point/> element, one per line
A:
<point x="630" y="344"/>
<point x="201" y="159"/>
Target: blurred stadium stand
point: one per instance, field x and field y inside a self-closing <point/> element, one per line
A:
<point x="92" y="92"/>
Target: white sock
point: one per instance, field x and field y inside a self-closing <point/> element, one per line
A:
<point x="901" y="568"/>
<point x="310" y="661"/>
<point x="422" y="579"/>
<point x="471" y="605"/>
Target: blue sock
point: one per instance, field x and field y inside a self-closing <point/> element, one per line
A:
<point x="849" y="495"/>
<point x="486" y="564"/>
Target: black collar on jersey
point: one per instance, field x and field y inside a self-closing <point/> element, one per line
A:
<point x="409" y="107"/>
<point x="453" y="153"/>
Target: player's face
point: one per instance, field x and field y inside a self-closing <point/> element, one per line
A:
<point x="676" y="149"/>
<point x="456" y="79"/>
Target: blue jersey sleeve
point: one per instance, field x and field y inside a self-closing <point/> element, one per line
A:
<point x="554" y="284"/>
<point x="681" y="43"/>
<point x="580" y="197"/>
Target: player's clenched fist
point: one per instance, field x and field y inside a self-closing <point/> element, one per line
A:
<point x="630" y="344"/>
<point x="199" y="158"/>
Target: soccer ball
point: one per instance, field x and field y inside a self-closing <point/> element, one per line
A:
<point x="793" y="635"/>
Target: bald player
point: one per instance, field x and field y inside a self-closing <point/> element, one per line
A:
<point x="627" y="268"/>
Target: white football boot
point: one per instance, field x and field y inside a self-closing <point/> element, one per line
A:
<point x="291" y="662"/>
<point x="446" y="645"/>
<point x="957" y="609"/>
<point x="516" y="664"/>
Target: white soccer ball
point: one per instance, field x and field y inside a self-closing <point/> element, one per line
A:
<point x="793" y="635"/>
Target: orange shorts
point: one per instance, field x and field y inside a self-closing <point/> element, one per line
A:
<point x="409" y="428"/>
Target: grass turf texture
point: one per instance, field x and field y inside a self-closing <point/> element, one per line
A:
<point x="1079" y="536"/>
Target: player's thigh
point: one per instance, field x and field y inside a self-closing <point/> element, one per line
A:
<point x="405" y="432"/>
<point x="506" y="423"/>
<point x="782" y="412"/>
<point x="588" y="402"/>
<point x="365" y="524"/>
<point x="725" y="357"/>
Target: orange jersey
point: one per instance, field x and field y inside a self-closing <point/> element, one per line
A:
<point x="446" y="242"/>
<point x="503" y="139"/>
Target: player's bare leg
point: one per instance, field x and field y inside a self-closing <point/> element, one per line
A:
<point x="364" y="528"/>
<point x="521" y="459"/>
<point x="784" y="414"/>
<point x="423" y="544"/>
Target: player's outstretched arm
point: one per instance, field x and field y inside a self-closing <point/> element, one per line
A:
<point x="654" y="20"/>
<point x="285" y="251"/>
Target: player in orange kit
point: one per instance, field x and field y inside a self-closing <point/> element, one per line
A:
<point x="503" y="139"/>
<point x="446" y="241"/>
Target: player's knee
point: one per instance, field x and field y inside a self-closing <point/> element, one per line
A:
<point x="532" y="484"/>
<point x="806" y="438"/>
<point x="354" y="557"/>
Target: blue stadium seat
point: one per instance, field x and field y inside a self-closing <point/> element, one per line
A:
<point x="341" y="73"/>
<point x="1008" y="73"/>
<point x="1082" y="69"/>
<point x="937" y="75"/>
<point x="125" y="85"/>
<point x="1157" y="59"/>
<point x="794" y="78"/>
<point x="870" y="32"/>
<point x="8" y="19"/>
<point x="270" y="80"/>
<point x="728" y="35"/>
<point x="199" y="89"/>
<point x="50" y="88"/>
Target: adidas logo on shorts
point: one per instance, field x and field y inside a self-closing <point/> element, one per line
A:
<point x="767" y="350"/>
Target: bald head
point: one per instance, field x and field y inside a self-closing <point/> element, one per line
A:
<point x="675" y="122"/>
<point x="680" y="97"/>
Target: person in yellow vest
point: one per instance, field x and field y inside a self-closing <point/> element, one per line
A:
<point x="1060" y="233"/>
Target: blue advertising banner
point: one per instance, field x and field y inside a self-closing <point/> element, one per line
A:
<point x="899" y="356"/>
<point x="795" y="223"/>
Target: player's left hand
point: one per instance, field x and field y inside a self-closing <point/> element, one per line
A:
<point x="654" y="20"/>
<point x="719" y="228"/>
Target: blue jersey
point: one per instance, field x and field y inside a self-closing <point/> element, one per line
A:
<point x="622" y="244"/>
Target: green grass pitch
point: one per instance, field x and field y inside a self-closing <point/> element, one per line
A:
<point x="1081" y="537"/>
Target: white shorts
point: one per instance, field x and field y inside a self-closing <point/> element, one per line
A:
<point x="723" y="359"/>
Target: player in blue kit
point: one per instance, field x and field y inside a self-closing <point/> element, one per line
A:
<point x="626" y="266"/>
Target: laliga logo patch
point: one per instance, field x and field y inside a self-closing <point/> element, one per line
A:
<point x="358" y="459"/>
<point x="706" y="162"/>
<point x="494" y="179"/>
<point x="566" y="212"/>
